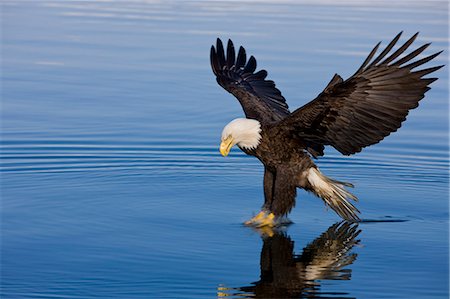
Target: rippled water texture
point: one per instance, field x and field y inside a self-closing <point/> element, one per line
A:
<point x="113" y="186"/>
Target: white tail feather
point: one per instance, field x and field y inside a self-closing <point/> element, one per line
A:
<point x="333" y="194"/>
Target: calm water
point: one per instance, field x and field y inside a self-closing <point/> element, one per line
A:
<point x="113" y="186"/>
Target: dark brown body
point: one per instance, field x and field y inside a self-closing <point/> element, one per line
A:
<point x="284" y="168"/>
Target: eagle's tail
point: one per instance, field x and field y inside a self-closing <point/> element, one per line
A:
<point x="333" y="193"/>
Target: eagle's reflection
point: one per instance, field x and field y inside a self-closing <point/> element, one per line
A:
<point x="287" y="275"/>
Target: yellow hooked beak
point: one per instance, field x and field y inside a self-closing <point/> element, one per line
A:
<point x="226" y="145"/>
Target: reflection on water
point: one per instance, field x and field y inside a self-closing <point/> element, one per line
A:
<point x="287" y="275"/>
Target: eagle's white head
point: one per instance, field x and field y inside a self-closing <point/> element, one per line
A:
<point x="244" y="132"/>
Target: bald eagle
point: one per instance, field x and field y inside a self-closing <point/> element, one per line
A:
<point x="349" y="115"/>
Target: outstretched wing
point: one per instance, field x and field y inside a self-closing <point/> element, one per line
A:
<point x="259" y="98"/>
<point x="352" y="114"/>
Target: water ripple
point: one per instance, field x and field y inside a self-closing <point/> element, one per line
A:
<point x="50" y="156"/>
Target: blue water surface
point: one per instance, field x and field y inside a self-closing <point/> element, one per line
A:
<point x="112" y="185"/>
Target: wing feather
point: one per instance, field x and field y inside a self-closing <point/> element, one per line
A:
<point x="241" y="59"/>
<point x="259" y="97"/>
<point x="386" y="50"/>
<point x="400" y="50"/>
<point x="250" y="67"/>
<point x="368" y="106"/>
<point x="230" y="55"/>
<point x="412" y="55"/>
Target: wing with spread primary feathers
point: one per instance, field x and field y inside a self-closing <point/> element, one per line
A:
<point x="259" y="98"/>
<point x="352" y="114"/>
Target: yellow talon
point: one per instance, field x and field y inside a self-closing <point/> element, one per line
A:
<point x="260" y="216"/>
<point x="267" y="221"/>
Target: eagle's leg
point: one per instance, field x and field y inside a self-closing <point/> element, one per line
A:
<point x="265" y="217"/>
<point x="269" y="184"/>
<point x="279" y="192"/>
<point x="284" y="193"/>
